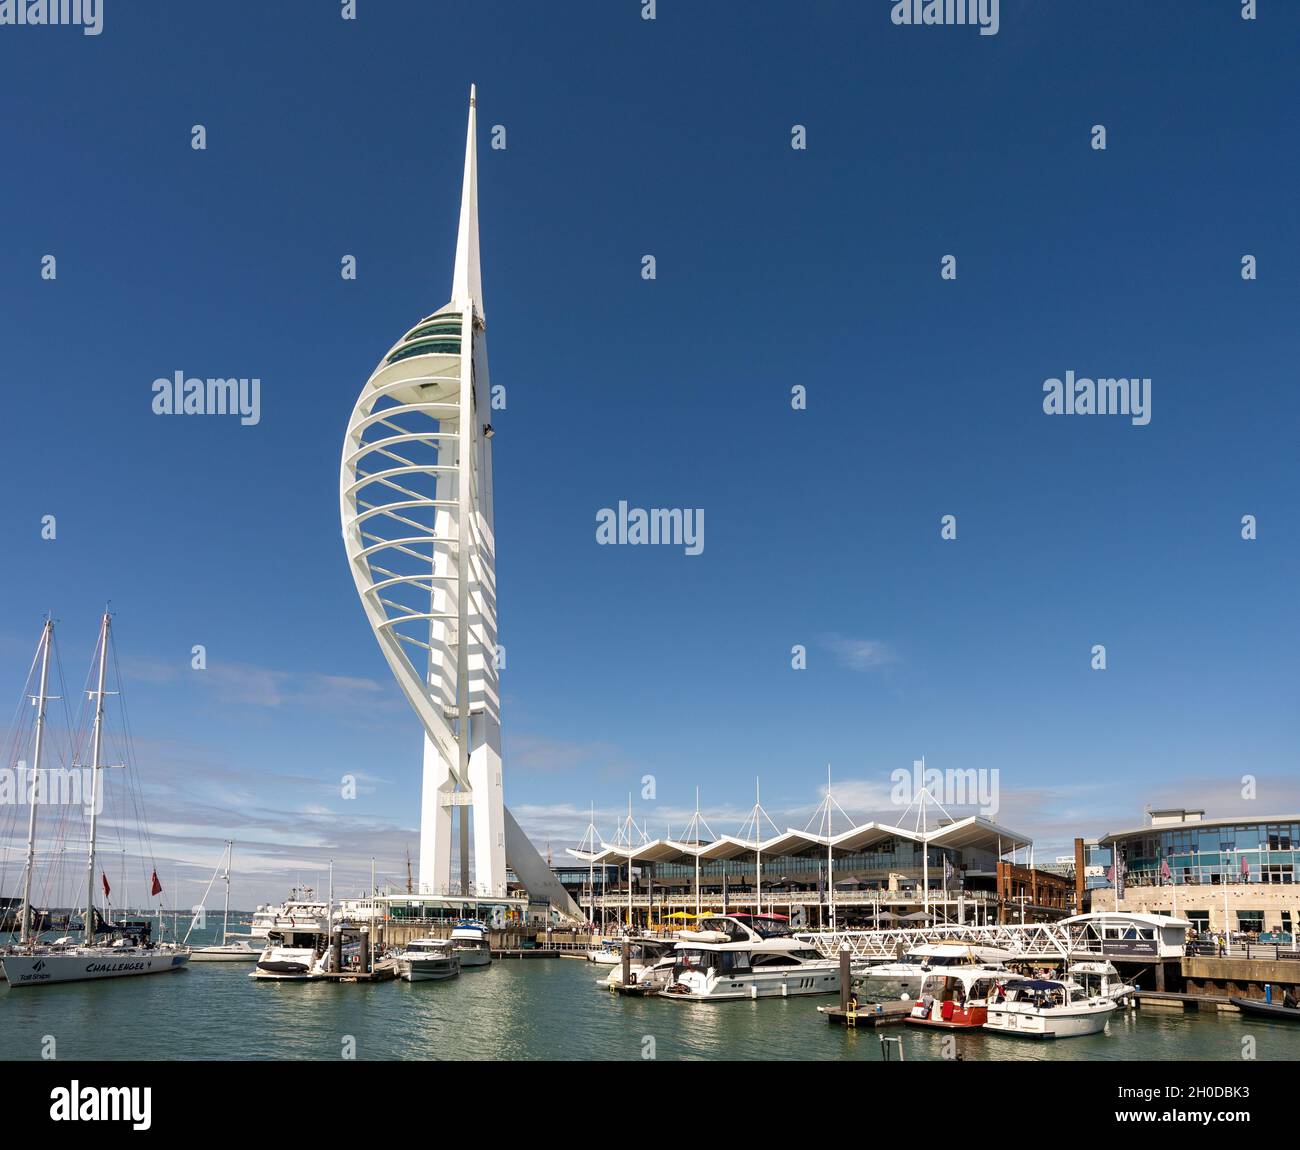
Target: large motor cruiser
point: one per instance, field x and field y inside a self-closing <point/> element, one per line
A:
<point x="1045" y="1008"/>
<point x="754" y="957"/>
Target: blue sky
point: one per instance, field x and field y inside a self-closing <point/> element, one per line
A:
<point x="775" y="267"/>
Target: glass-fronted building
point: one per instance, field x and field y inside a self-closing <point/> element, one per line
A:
<point x="1239" y="874"/>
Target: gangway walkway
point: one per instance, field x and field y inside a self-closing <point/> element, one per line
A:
<point x="1045" y="940"/>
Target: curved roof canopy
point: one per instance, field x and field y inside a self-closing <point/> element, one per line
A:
<point x="973" y="831"/>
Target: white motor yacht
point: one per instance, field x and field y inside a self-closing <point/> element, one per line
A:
<point x="428" y="960"/>
<point x="757" y="957"/>
<point x="1046" y="1008"/>
<point x="295" y="947"/>
<point x="469" y="939"/>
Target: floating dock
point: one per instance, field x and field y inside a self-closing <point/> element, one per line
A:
<point x="868" y="1016"/>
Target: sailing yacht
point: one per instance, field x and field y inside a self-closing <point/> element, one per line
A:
<point x="131" y="950"/>
<point x="226" y="951"/>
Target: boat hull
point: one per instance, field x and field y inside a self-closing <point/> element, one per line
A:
<point x="1258" y="1009"/>
<point x="417" y="971"/>
<point x="472" y="956"/>
<point x="788" y="982"/>
<point x="219" y="954"/>
<point x="1067" y="1022"/>
<point x="961" y="1018"/>
<point x="45" y="969"/>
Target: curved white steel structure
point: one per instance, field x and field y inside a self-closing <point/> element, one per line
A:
<point x="416" y="504"/>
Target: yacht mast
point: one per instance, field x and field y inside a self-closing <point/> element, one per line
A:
<point x="47" y="634"/>
<point x="225" y="913"/>
<point x="95" y="766"/>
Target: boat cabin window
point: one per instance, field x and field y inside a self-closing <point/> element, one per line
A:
<point x="770" y="927"/>
<point x="722" y="961"/>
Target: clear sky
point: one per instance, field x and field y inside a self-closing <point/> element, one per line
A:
<point x="775" y="267"/>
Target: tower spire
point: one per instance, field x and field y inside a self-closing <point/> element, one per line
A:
<point x="467" y="284"/>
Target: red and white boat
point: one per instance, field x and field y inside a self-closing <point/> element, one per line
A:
<point x="957" y="997"/>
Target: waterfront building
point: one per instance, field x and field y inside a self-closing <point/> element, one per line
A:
<point x="1236" y="874"/>
<point x="870" y="874"/>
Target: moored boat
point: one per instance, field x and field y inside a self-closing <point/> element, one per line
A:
<point x="469" y="939"/>
<point x="758" y="957"/>
<point x="1258" y="1008"/>
<point x="225" y="951"/>
<point x="902" y="977"/>
<point x="428" y="960"/>
<point x="130" y="949"/>
<point x="1046" y="1008"/>
<point x="957" y="997"/>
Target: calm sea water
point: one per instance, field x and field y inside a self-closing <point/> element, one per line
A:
<point x="521" y="1010"/>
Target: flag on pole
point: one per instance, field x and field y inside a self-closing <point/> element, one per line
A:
<point x="1165" y="873"/>
<point x="1245" y="868"/>
<point x="104" y="879"/>
<point x="156" y="887"/>
<point x="1110" y="873"/>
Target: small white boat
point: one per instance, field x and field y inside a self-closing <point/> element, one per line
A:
<point x="427" y="960"/>
<point x="469" y="939"/>
<point x="756" y="957"/>
<point x="1099" y="980"/>
<point x="606" y="952"/>
<point x="1046" y="1008"/>
<point x="650" y="965"/>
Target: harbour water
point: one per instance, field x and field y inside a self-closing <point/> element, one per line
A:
<point x="528" y="1010"/>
